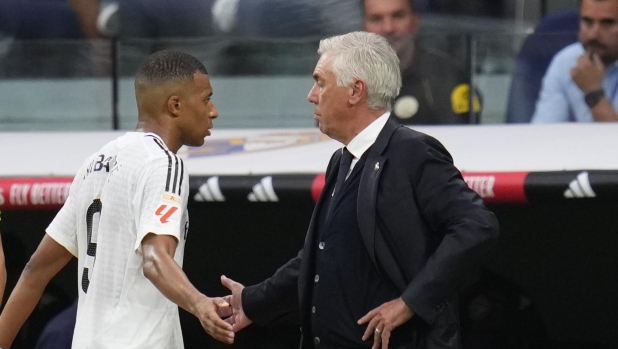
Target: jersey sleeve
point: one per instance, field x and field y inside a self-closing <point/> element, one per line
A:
<point x="161" y="199"/>
<point x="63" y="229"/>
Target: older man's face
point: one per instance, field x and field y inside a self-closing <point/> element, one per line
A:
<point x="330" y="101"/>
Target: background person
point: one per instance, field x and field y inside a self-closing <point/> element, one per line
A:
<point x="435" y="86"/>
<point x="581" y="83"/>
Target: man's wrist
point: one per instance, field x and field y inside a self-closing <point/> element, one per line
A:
<point x="593" y="97"/>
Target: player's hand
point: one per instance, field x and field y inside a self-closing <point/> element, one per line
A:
<point x="238" y="320"/>
<point x="588" y="72"/>
<point x="383" y="320"/>
<point x="208" y="310"/>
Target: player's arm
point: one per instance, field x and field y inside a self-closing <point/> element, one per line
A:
<point x="87" y="12"/>
<point x="49" y="258"/>
<point x="163" y="271"/>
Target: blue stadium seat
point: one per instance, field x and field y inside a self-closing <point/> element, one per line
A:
<point x="38" y="19"/>
<point x="554" y="32"/>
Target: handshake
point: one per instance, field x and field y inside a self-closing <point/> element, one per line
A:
<point x="223" y="317"/>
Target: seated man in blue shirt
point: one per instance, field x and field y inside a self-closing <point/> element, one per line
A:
<point x="581" y="83"/>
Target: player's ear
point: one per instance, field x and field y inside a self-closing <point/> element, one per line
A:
<point x="174" y="105"/>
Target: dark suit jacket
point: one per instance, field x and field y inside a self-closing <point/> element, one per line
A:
<point x="419" y="221"/>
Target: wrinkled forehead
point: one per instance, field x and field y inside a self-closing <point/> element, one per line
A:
<point x="325" y="63"/>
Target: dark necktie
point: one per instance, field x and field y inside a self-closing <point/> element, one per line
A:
<point x="344" y="167"/>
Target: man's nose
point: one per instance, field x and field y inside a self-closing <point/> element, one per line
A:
<point x="388" y="26"/>
<point x="214" y="113"/>
<point x="312" y="97"/>
<point x="593" y="31"/>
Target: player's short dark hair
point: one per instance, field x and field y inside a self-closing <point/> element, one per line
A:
<point x="168" y="65"/>
<point x="362" y="4"/>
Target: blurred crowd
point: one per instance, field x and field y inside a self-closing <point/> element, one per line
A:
<point x="279" y="37"/>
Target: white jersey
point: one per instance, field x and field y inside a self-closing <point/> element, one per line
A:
<point x="133" y="186"/>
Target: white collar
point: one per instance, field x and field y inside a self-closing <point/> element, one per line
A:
<point x="365" y="139"/>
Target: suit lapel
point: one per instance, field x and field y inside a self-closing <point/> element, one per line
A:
<point x="330" y="180"/>
<point x="368" y="188"/>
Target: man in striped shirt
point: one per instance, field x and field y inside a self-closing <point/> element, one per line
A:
<point x="126" y="221"/>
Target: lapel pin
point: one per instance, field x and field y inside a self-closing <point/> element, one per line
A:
<point x="377" y="166"/>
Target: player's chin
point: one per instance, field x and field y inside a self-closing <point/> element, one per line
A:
<point x="197" y="142"/>
<point x="323" y="128"/>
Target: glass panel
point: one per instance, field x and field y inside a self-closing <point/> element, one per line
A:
<point x="55" y="85"/>
<point x="494" y="58"/>
<point x="257" y="82"/>
<point x="67" y="85"/>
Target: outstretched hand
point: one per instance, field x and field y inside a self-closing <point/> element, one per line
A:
<point x="383" y="320"/>
<point x="209" y="312"/>
<point x="238" y="320"/>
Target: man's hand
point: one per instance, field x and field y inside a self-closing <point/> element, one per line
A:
<point x="383" y="320"/>
<point x="207" y="310"/>
<point x="588" y="72"/>
<point x="238" y="320"/>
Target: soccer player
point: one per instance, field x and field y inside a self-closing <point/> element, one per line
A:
<point x="126" y="221"/>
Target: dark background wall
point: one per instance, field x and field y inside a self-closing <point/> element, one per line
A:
<point x="551" y="282"/>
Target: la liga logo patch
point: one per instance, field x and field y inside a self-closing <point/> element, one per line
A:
<point x="165" y="213"/>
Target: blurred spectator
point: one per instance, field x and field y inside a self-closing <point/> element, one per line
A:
<point x="581" y="83"/>
<point x="435" y="86"/>
<point x="287" y="17"/>
<point x="555" y="31"/>
<point x="279" y="37"/>
<point x="143" y="27"/>
<point x="148" y="18"/>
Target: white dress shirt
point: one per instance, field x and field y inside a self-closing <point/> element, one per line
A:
<point x="365" y="139"/>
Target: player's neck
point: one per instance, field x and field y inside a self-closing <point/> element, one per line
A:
<point x="165" y="133"/>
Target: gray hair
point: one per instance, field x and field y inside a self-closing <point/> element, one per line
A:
<point x="366" y="56"/>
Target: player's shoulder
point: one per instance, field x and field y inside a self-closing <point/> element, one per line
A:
<point x="155" y="146"/>
<point x="144" y="149"/>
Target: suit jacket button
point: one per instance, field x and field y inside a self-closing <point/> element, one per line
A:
<point x="316" y="340"/>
